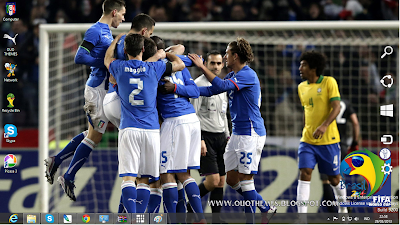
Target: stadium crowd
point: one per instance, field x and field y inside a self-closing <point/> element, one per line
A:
<point x="33" y="13"/>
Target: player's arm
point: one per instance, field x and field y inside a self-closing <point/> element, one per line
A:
<point x="331" y="117"/>
<point x="356" y="132"/>
<point x="109" y="57"/>
<point x="160" y="54"/>
<point x="82" y="56"/>
<point x="176" y="49"/>
<point x="177" y="64"/>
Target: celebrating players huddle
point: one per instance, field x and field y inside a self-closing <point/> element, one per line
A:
<point x="144" y="81"/>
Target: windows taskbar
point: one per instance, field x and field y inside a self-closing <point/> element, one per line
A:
<point x="188" y="218"/>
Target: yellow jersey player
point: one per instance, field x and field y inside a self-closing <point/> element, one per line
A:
<point x="320" y="98"/>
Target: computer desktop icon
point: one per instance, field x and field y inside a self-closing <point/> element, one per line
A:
<point x="104" y="218"/>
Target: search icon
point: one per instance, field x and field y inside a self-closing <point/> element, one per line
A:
<point x="388" y="50"/>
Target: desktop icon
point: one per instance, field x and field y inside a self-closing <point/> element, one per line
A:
<point x="86" y="218"/>
<point x="11" y="38"/>
<point x="11" y="8"/>
<point x="13" y="218"/>
<point x="31" y="218"/>
<point x="10" y="161"/>
<point x="10" y="99"/>
<point x="49" y="218"/>
<point x="10" y="68"/>
<point x="67" y="218"/>
<point x="103" y="218"/>
<point x="10" y="130"/>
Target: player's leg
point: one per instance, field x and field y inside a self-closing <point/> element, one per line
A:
<point x="97" y="126"/>
<point x="149" y="157"/>
<point x="329" y="163"/>
<point x="217" y="195"/>
<point x="143" y="194"/>
<point x="328" y="195"/>
<point x="170" y="195"/>
<point x="181" y="206"/>
<point x="307" y="161"/>
<point x="52" y="163"/>
<point x="155" y="197"/>
<point x="112" y="108"/>
<point x="129" y="145"/>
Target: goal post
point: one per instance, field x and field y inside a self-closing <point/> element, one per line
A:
<point x="350" y="46"/>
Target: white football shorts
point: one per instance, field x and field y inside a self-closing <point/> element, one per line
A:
<point x="243" y="153"/>
<point x="181" y="144"/>
<point x="112" y="108"/>
<point x="139" y="152"/>
<point x="94" y="97"/>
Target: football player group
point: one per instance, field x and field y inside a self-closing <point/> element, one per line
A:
<point x="134" y="79"/>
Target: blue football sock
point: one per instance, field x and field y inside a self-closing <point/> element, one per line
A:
<point x="81" y="154"/>
<point x="143" y="195"/>
<point x="121" y="205"/>
<point x="69" y="150"/>
<point x="193" y="194"/>
<point x="170" y="198"/>
<point x="249" y="195"/>
<point x="264" y="207"/>
<point x="155" y="200"/>
<point x="129" y="195"/>
<point x="181" y="206"/>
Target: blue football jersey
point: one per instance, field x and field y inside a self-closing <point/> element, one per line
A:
<point x="244" y="94"/>
<point x="137" y="88"/>
<point x="99" y="34"/>
<point x="118" y="54"/>
<point x="178" y="104"/>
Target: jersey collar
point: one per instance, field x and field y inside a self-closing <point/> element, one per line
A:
<point x="321" y="77"/>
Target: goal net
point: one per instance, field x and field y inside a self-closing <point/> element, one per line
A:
<point x="353" y="51"/>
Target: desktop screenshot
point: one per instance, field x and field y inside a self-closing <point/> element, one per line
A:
<point x="195" y="112"/>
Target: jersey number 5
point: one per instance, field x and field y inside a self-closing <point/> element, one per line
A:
<point x="139" y="83"/>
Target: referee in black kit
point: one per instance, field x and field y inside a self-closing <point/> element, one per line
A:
<point x="212" y="113"/>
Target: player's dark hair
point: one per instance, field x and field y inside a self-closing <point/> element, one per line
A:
<point x="159" y="42"/>
<point x="150" y="48"/>
<point x="110" y="5"/>
<point x="141" y="21"/>
<point x="212" y="52"/>
<point x="315" y="60"/>
<point x="134" y="44"/>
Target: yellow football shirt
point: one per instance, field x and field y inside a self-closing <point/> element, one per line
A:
<point x="316" y="100"/>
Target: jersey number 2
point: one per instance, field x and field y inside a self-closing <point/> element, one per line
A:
<point x="339" y="118"/>
<point x="139" y="83"/>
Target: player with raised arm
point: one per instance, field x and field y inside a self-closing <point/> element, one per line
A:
<point x="211" y="112"/>
<point x="347" y="113"/>
<point x="139" y="137"/>
<point x="243" y="151"/>
<point x="320" y="98"/>
<point x="142" y="24"/>
<point x="91" y="52"/>
<point x="180" y="140"/>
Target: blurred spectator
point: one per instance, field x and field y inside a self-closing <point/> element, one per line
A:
<point x="331" y="9"/>
<point x="351" y="10"/>
<point x="237" y="13"/>
<point x="157" y="12"/>
<point x="315" y="12"/>
<point x="134" y="8"/>
<point x="196" y="14"/>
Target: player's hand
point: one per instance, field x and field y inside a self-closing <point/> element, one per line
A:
<point x="167" y="88"/>
<point x="119" y="36"/>
<point x="203" y="148"/>
<point x="197" y="60"/>
<point x="319" y="132"/>
<point x="161" y="54"/>
<point x="112" y="79"/>
<point x="353" y="147"/>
